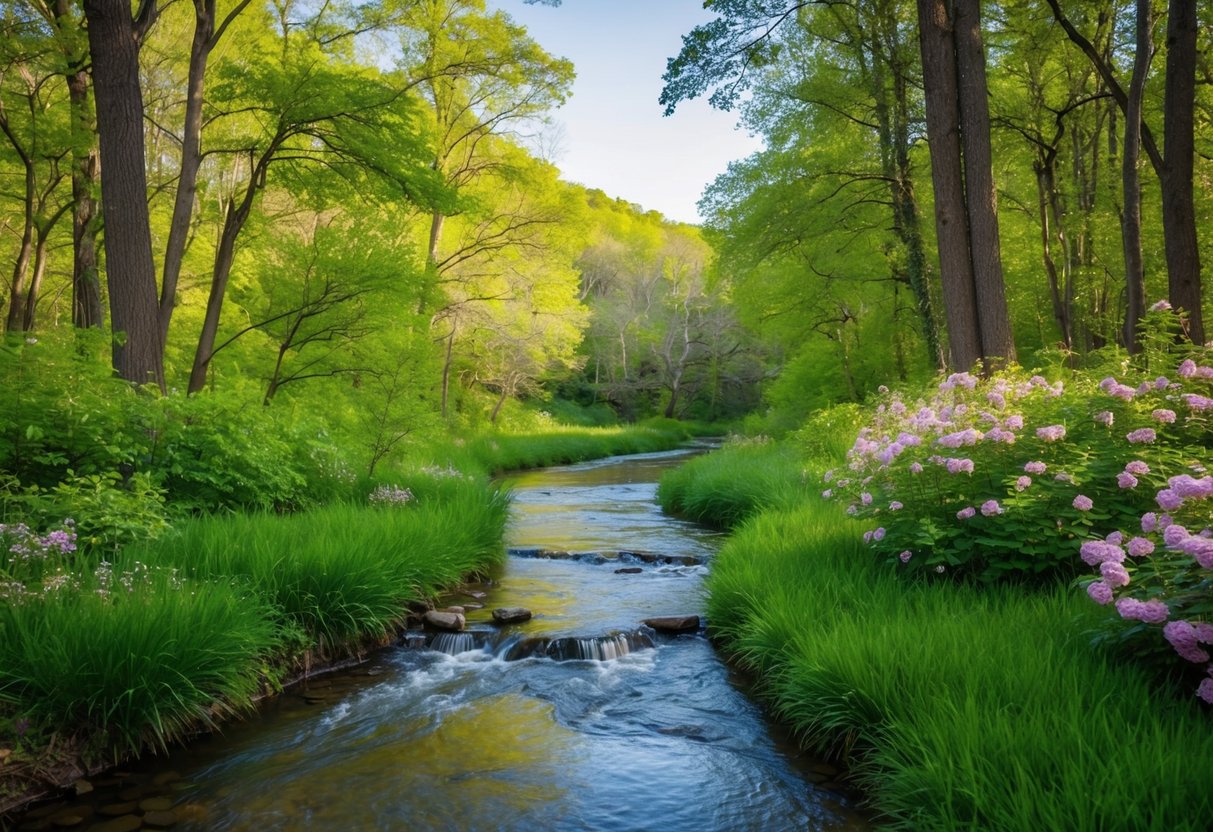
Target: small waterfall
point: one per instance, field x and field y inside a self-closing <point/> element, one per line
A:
<point x="452" y="644"/>
<point x="574" y="648"/>
<point x="600" y="649"/>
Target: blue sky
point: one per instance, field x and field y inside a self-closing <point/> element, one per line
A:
<point x="613" y="135"/>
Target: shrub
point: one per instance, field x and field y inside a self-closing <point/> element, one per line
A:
<point x="112" y="513"/>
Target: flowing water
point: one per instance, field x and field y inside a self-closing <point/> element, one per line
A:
<point x="579" y="719"/>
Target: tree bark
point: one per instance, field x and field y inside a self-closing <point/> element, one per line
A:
<point x="981" y="200"/>
<point x="951" y="220"/>
<point x="114" y="39"/>
<point x="1179" y="213"/>
<point x="1135" y="281"/>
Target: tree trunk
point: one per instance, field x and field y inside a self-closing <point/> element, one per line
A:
<point x="1179" y="213"/>
<point x="446" y="370"/>
<point x="113" y="36"/>
<point x="943" y="126"/>
<point x="500" y="401"/>
<point x="981" y="200"/>
<point x="1135" y="281"/>
<point x="86" y="218"/>
<point x="1043" y="187"/>
<point x="191" y="158"/>
<point x="893" y="124"/>
<point x="16" y="295"/>
<point x="232" y="224"/>
<point x="431" y="254"/>
<point x="35" y="284"/>
<point x="86" y="168"/>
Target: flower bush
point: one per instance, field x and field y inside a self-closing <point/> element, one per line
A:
<point x="1018" y="476"/>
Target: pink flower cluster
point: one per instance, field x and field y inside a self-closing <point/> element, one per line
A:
<point x="910" y="457"/>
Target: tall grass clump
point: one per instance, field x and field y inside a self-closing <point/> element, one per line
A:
<point x="345" y="571"/>
<point x="139" y="657"/>
<point x="960" y="707"/>
<point x="727" y="486"/>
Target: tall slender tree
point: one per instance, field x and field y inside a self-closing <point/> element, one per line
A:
<point x="114" y="37"/>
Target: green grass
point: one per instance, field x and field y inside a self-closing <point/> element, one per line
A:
<point x="960" y="708"/>
<point x="137" y="666"/>
<point x="346" y="571"/>
<point x="727" y="486"/>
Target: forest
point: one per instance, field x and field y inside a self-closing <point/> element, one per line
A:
<point x="271" y="266"/>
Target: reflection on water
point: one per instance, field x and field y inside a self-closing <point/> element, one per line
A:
<point x="494" y="734"/>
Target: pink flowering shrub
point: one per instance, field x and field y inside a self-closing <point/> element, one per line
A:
<point x="1020" y="476"/>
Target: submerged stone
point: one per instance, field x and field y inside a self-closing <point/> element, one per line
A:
<point x="673" y="623"/>
<point x="629" y="570"/>
<point x="67" y="820"/>
<point x="160" y="820"/>
<point x="511" y="615"/>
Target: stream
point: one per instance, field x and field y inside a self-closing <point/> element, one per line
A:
<point x="579" y="719"/>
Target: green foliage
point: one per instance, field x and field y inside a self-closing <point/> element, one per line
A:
<point x="63" y="410"/>
<point x="730" y="485"/>
<point x="140" y="659"/>
<point x="946" y="722"/>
